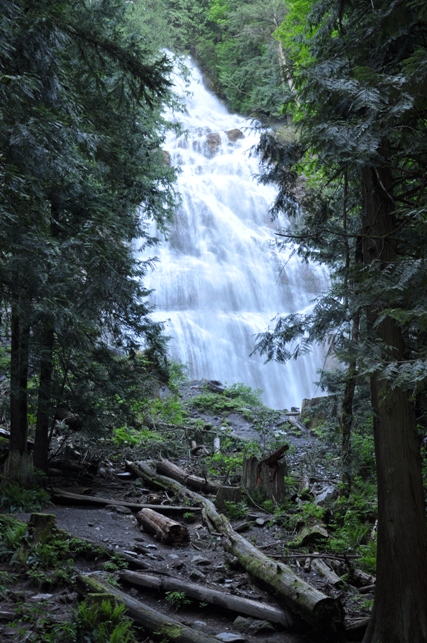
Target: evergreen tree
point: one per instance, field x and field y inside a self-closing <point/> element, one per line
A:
<point x="82" y="172"/>
<point x="360" y="73"/>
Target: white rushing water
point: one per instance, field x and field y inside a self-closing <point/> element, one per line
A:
<point x="219" y="280"/>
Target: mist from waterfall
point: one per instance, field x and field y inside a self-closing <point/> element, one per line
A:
<point x="219" y="280"/>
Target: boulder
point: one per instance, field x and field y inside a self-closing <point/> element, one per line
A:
<point x="234" y="135"/>
<point x="212" y="143"/>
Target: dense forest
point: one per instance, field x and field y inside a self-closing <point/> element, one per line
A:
<point x="338" y="92"/>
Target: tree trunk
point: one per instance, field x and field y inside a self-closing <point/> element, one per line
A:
<point x="347" y="415"/>
<point x="205" y="594"/>
<point x="400" y="605"/>
<point x="170" y="470"/>
<point x="18" y="381"/>
<point x="41" y="446"/>
<point x="18" y="465"/>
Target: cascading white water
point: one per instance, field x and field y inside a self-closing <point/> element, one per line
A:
<point x="219" y="280"/>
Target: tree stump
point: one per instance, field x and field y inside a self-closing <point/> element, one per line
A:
<point x="227" y="494"/>
<point x="42" y="527"/>
<point x="265" y="478"/>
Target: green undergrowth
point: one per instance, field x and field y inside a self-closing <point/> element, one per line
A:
<point x="15" y="499"/>
<point x="94" y="621"/>
<point x="237" y="398"/>
<point x="349" y="521"/>
<point x="46" y="562"/>
<point x="49" y="563"/>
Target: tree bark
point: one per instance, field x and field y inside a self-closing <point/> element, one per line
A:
<point x="19" y="464"/>
<point x="41" y="446"/>
<point x="219" y="598"/>
<point x="170" y="470"/>
<point x="400" y="605"/>
<point x="150" y="619"/>
<point x="347" y="415"/>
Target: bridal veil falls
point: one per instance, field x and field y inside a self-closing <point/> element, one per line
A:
<point x="219" y="280"/>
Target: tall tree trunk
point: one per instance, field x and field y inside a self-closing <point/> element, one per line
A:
<point x="400" y="606"/>
<point x="41" y="443"/>
<point x="347" y="414"/>
<point x="19" y="464"/>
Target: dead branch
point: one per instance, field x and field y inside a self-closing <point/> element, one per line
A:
<point x="61" y="494"/>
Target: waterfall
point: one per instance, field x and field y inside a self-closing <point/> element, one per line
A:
<point x="220" y="280"/>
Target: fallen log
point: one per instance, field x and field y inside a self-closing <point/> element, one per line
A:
<point x="322" y="568"/>
<point x="150" y="619"/>
<point x="292" y="419"/>
<point x="60" y="494"/>
<point x="214" y="597"/>
<point x="314" y="607"/>
<point x="168" y="531"/>
<point x="170" y="470"/>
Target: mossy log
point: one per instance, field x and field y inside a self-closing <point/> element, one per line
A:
<point x="170" y="470"/>
<point x="205" y="594"/>
<point x="314" y="607"/>
<point x="320" y="611"/>
<point x="150" y="619"/>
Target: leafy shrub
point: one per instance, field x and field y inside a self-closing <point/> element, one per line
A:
<point x="16" y="499"/>
<point x="127" y="436"/>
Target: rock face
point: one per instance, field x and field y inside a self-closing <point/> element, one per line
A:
<point x="234" y="135"/>
<point x="212" y="143"/>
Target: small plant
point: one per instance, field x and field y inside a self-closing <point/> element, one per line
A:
<point x="116" y="563"/>
<point x="16" y="499"/>
<point x="189" y="516"/>
<point x="177" y="600"/>
<point x="235" y="510"/>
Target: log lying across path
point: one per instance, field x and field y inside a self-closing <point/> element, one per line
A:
<point x="221" y="599"/>
<point x="314" y="607"/>
<point x="169" y="531"/>
<point x="170" y="470"/>
<point x="150" y="619"/>
<point x="61" y="494"/>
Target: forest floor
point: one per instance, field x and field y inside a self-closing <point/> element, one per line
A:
<point x="29" y="604"/>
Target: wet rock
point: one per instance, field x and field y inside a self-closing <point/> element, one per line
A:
<point x="311" y="535"/>
<point x="252" y="625"/>
<point x="119" y="510"/>
<point x="328" y="493"/>
<point x="212" y="143"/>
<point x="197" y="575"/>
<point x="200" y="625"/>
<point x="37" y="598"/>
<point x="230" y="637"/>
<point x="199" y="560"/>
<point x="234" y="135"/>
